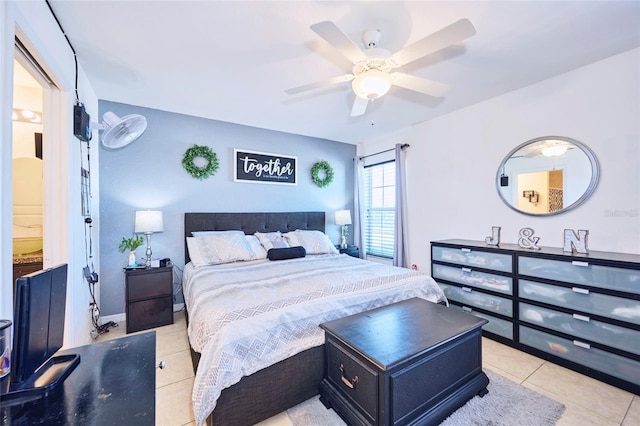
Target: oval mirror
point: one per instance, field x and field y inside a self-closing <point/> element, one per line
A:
<point x="547" y="176"/>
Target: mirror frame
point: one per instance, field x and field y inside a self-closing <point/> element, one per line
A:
<point x="593" y="183"/>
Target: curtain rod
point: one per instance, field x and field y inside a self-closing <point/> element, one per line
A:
<point x="403" y="146"/>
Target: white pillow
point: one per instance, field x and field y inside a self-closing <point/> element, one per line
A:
<point x="271" y="240"/>
<point x="220" y="248"/>
<point x="258" y="251"/>
<point x="314" y="242"/>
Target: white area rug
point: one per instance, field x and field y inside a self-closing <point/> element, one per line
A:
<point x="506" y="404"/>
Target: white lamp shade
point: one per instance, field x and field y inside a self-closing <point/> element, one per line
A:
<point x="148" y="221"/>
<point x="343" y="217"/>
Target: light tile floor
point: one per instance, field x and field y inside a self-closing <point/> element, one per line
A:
<point x="588" y="402"/>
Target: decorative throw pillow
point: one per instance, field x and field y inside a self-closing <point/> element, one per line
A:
<point x="286" y="253"/>
<point x="271" y="240"/>
<point x="258" y="251"/>
<point x="314" y="242"/>
<point x="219" y="248"/>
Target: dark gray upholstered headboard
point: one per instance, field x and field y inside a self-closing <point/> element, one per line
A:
<point x="251" y="223"/>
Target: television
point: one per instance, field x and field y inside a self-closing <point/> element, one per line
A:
<point x="39" y="316"/>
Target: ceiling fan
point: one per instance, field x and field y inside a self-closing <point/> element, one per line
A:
<point x="371" y="75"/>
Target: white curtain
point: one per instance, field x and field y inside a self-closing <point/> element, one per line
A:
<point x="400" y="257"/>
<point x="358" y="212"/>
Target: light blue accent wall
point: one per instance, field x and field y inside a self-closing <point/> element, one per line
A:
<point x="148" y="174"/>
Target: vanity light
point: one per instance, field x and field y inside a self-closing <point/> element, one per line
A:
<point x="371" y="84"/>
<point x="26" y="115"/>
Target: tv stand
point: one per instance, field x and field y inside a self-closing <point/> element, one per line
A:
<point x="113" y="383"/>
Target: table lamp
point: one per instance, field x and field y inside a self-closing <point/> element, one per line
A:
<point x="343" y="218"/>
<point x="147" y="222"/>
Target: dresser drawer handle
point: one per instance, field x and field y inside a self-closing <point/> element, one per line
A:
<point x="580" y="290"/>
<point x="467" y="309"/>
<point x="465" y="250"/>
<point x="581" y="317"/>
<point x="579" y="263"/>
<point x="582" y="344"/>
<point x="467" y="289"/>
<point x="466" y="270"/>
<point x="350" y="383"/>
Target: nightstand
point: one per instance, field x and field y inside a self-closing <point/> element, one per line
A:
<point x="350" y="250"/>
<point x="149" y="298"/>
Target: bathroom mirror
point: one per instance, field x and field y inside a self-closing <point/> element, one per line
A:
<point x="547" y="176"/>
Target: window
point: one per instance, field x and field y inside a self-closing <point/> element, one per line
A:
<point x="380" y="205"/>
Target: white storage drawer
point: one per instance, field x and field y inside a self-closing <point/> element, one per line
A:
<point x="468" y="296"/>
<point x="579" y="272"/>
<point x="578" y="352"/>
<point x="582" y="327"/>
<point x="582" y="300"/>
<point x="469" y="257"/>
<point x="474" y="278"/>
<point x="495" y="325"/>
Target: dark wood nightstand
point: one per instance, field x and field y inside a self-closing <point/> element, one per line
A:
<point x="149" y="298"/>
<point x="353" y="251"/>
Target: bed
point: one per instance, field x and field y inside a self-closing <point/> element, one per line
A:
<point x="247" y="394"/>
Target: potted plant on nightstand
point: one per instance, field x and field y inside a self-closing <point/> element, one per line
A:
<point x="131" y="244"/>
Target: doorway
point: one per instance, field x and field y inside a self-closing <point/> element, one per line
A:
<point x="28" y="179"/>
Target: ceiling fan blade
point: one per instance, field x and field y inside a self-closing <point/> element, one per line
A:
<point x="418" y="84"/>
<point x="338" y="39"/>
<point x="359" y="106"/>
<point x="319" y="84"/>
<point x="445" y="37"/>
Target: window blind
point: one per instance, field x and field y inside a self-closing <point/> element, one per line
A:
<point x="379" y="203"/>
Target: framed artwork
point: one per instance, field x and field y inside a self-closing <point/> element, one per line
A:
<point x="263" y="167"/>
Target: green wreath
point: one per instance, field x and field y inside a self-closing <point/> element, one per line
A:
<point x="201" y="151"/>
<point x="326" y="169"/>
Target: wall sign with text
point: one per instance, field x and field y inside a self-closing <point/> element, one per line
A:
<point x="262" y="167"/>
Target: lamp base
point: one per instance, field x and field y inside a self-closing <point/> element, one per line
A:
<point x="343" y="242"/>
<point x="148" y="262"/>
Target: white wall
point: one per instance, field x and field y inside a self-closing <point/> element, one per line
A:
<point x="64" y="228"/>
<point x="453" y="160"/>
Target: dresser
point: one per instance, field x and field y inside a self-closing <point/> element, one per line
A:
<point x="407" y="363"/>
<point x="114" y="384"/>
<point x="149" y="298"/>
<point x="579" y="311"/>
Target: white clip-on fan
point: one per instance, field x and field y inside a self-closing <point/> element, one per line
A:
<point x="120" y="132"/>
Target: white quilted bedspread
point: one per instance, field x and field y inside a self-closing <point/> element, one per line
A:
<point x="246" y="316"/>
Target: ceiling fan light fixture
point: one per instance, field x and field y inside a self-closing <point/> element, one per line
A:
<point x="371" y="84"/>
<point x="554" y="150"/>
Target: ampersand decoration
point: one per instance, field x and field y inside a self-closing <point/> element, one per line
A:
<point x="527" y="240"/>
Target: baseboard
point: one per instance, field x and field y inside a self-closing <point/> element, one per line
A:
<point x="115" y="318"/>
<point x="122" y="317"/>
